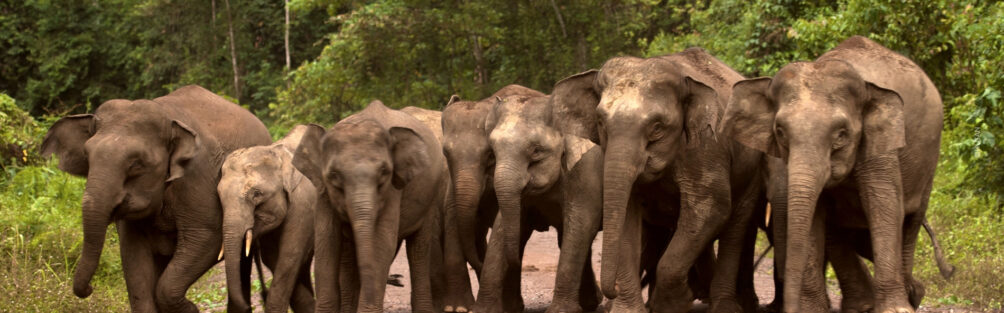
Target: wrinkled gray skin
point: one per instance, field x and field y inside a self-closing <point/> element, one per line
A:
<point x="451" y="284"/>
<point x="664" y="165"/>
<point x="262" y="193"/>
<point x="542" y="178"/>
<point x="858" y="132"/>
<point x="471" y="163"/>
<point x="152" y="167"/>
<point x="381" y="179"/>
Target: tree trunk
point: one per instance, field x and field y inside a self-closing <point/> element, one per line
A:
<point x="287" y="36"/>
<point x="479" y="61"/>
<point x="233" y="53"/>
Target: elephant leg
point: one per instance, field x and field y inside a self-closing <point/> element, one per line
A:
<point x="813" y="294"/>
<point x="695" y="231"/>
<point x="590" y="296"/>
<point x="499" y="286"/>
<point x="881" y="190"/>
<point x="701" y="274"/>
<point x="327" y="259"/>
<point x="285" y="270"/>
<point x="138" y="266"/>
<point x="911" y="229"/>
<point x="348" y="276"/>
<point x="734" y="257"/>
<point x="459" y="296"/>
<point x="418" y="249"/>
<point x="581" y="222"/>
<point x="653" y="244"/>
<point x="855" y="282"/>
<point x="195" y="253"/>
<point x="777" y="194"/>
<point x="629" y="297"/>
<point x="303" y="292"/>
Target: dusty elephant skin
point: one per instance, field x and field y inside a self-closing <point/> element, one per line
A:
<point x="856" y="133"/>
<point x="471" y="163"/>
<point x="665" y="168"/>
<point x="152" y="167"/>
<point x="381" y="178"/>
<point x="543" y="178"/>
<point x="266" y="200"/>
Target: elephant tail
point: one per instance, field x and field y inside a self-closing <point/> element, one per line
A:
<point x="261" y="274"/>
<point x="947" y="270"/>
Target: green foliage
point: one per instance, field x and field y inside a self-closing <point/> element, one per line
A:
<point x="40" y="241"/>
<point x="20" y="136"/>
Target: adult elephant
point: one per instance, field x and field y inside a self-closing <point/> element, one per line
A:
<point x="858" y="128"/>
<point x="267" y="201"/>
<point x="382" y="177"/>
<point x="664" y="167"/>
<point x="543" y="177"/>
<point x="152" y="167"/>
<point x="472" y="196"/>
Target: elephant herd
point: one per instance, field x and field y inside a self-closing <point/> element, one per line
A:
<point x="666" y="155"/>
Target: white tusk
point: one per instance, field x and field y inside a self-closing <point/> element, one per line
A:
<point x="766" y="219"/>
<point x="220" y="257"/>
<point x="247" y="243"/>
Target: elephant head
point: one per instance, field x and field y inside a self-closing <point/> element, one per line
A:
<point x="528" y="153"/>
<point x="129" y="151"/>
<point x="820" y="118"/>
<point x="649" y="110"/>
<point x="255" y="190"/>
<point x="470" y="159"/>
<point x="361" y="167"/>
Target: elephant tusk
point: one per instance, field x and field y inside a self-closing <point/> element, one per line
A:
<point x="766" y="218"/>
<point x="247" y="243"/>
<point x="220" y="257"/>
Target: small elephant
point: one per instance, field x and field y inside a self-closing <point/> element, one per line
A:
<point x="664" y="167"/>
<point x="471" y="162"/>
<point x="381" y="176"/>
<point x="542" y="178"/>
<point x="152" y="167"/>
<point x="266" y="200"/>
<point x="857" y="134"/>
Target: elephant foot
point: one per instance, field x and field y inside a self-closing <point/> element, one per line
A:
<point x="673" y="298"/>
<point x="625" y="305"/>
<point x="564" y="307"/>
<point x="856" y="303"/>
<point x="454" y="303"/>
<point x="590" y="300"/>
<point x="895" y="305"/>
<point x="727" y="305"/>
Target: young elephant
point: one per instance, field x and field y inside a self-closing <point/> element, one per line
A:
<point x="471" y="162"/>
<point x="381" y="176"/>
<point x="152" y="167"/>
<point x="858" y="133"/>
<point x="543" y="177"/>
<point x="666" y="171"/>
<point x="266" y="200"/>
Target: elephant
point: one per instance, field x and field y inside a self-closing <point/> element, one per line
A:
<point x="152" y="167"/>
<point x="451" y="284"/>
<point x="665" y="167"/>
<point x="543" y="177"/>
<point x="471" y="162"/>
<point x="266" y="200"/>
<point x="855" y="136"/>
<point x="382" y="178"/>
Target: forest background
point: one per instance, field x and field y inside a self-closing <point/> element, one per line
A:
<point x="302" y="61"/>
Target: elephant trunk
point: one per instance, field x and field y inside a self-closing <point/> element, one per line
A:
<point x="101" y="196"/>
<point x="807" y="173"/>
<point x="510" y="179"/>
<point x="363" y="216"/>
<point x="620" y="171"/>
<point x="237" y="224"/>
<point x="468" y="187"/>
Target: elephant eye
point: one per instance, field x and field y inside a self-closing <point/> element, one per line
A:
<point x="841" y="139"/>
<point x="490" y="162"/>
<point x="335" y="179"/>
<point x="135" y="167"/>
<point x="656" y="131"/>
<point x="384" y="175"/>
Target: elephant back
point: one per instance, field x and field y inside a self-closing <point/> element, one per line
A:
<point x="217" y="120"/>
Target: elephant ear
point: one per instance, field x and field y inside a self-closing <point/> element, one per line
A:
<point x="493" y="116"/>
<point x="453" y="99"/>
<point x="410" y="155"/>
<point x="573" y="104"/>
<point x="307" y="158"/>
<point x="66" y="139"/>
<point x="749" y="117"/>
<point x="699" y="113"/>
<point x="883" y="121"/>
<point x="575" y="148"/>
<point x="184" y="146"/>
